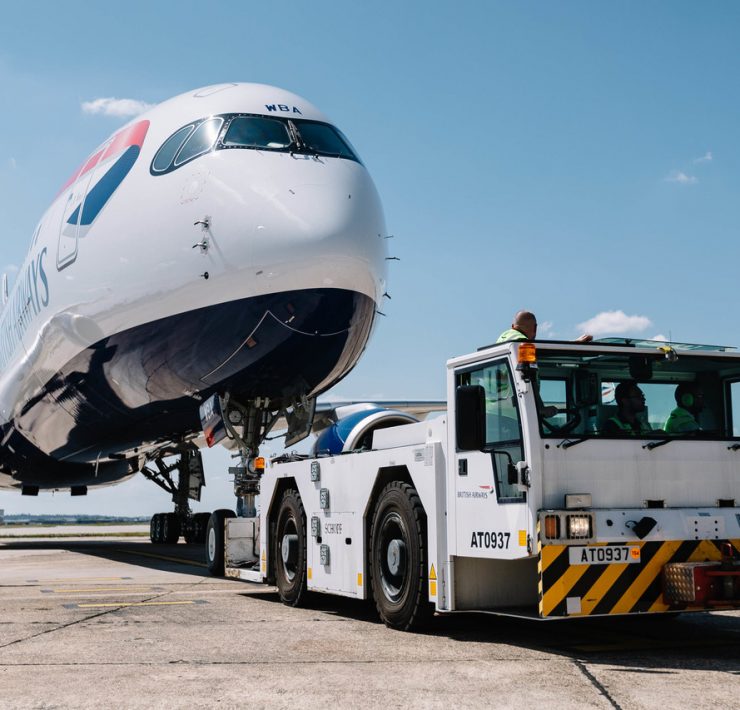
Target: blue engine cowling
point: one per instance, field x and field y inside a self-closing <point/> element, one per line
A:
<point x="354" y="431"/>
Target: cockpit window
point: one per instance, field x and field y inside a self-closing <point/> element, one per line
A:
<point x="201" y="141"/>
<point x="168" y="151"/>
<point x="251" y="132"/>
<point x="256" y="132"/>
<point x="324" y="140"/>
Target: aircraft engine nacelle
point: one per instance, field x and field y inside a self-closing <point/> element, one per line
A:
<point x="354" y="430"/>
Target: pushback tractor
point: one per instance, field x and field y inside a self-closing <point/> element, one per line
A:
<point x="518" y="498"/>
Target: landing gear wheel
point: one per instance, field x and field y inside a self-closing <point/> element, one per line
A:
<point x="215" y="541"/>
<point x="290" y="549"/>
<point x="195" y="533"/>
<point x="398" y="558"/>
<point x="155" y="529"/>
<point x="170" y="528"/>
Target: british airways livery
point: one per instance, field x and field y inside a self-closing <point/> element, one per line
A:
<point x="215" y="264"/>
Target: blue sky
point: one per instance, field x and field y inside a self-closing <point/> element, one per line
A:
<point x="574" y="158"/>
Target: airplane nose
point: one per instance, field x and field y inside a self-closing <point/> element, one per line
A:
<point x="332" y="231"/>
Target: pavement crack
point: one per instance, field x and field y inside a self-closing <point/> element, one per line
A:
<point x="79" y="621"/>
<point x="594" y="681"/>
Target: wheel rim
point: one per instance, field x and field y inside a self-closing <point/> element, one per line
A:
<point x="392" y="557"/>
<point x="289" y="550"/>
<point x="212" y="544"/>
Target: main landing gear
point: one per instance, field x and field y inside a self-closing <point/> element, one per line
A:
<point x="167" y="528"/>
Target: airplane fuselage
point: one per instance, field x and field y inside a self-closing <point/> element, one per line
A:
<point x="160" y="275"/>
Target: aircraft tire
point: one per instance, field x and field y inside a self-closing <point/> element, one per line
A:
<point x="290" y="549"/>
<point x="195" y="531"/>
<point x="200" y="527"/>
<point x="214" y="541"/>
<point x="398" y="557"/>
<point x="155" y="529"/>
<point x="170" y="528"/>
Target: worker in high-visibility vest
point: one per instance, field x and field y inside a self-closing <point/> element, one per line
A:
<point x="684" y="419"/>
<point x="524" y="327"/>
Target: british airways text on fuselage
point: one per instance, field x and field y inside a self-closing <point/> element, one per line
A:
<point x="113" y="336"/>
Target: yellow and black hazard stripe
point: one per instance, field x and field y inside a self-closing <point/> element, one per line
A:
<point x="616" y="588"/>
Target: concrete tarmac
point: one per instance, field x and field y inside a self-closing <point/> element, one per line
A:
<point x="121" y="623"/>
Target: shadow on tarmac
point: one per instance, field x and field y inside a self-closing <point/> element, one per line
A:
<point x="654" y="644"/>
<point x="180" y="558"/>
<point x="646" y="644"/>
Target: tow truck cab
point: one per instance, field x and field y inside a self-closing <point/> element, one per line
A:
<point x="618" y="519"/>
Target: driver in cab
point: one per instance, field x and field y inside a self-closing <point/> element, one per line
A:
<point x="629" y="419"/>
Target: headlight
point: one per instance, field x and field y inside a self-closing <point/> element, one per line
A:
<point x="579" y="527"/>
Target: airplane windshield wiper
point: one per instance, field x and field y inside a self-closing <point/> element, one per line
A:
<point x="655" y="444"/>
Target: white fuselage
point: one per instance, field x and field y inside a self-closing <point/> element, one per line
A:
<point x="236" y="226"/>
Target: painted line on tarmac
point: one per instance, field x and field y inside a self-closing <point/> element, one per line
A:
<point x="60" y="580"/>
<point x="126" y="604"/>
<point x="181" y="560"/>
<point x="140" y="590"/>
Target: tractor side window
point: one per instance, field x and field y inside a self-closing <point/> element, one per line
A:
<point x="503" y="425"/>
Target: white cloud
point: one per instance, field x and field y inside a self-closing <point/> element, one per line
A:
<point x="614" y="323"/>
<point x="10" y="269"/>
<point x="119" y="108"/>
<point x="13" y="163"/>
<point x="681" y="178"/>
<point x="706" y="158"/>
<point x="545" y="329"/>
<point x="660" y="337"/>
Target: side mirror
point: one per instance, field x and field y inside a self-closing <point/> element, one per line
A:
<point x="512" y="474"/>
<point x="470" y="417"/>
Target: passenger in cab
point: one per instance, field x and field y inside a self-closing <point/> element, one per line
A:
<point x="524" y="327"/>
<point x="630" y="406"/>
<point x="684" y="419"/>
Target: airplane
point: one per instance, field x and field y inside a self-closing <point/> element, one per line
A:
<point x="211" y="268"/>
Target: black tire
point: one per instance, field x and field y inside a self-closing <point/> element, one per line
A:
<point x="214" y="541"/>
<point x="398" y="558"/>
<point x="170" y="528"/>
<point x="289" y="549"/>
<point x="155" y="529"/>
<point x="198" y="528"/>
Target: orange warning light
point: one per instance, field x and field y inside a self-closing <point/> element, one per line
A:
<point x="552" y="527"/>
<point x="527" y="354"/>
<point x="259" y="463"/>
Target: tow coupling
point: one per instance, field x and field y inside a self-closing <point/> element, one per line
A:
<point x="704" y="583"/>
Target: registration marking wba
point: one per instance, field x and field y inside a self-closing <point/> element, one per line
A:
<point x="604" y="555"/>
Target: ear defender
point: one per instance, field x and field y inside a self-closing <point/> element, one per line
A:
<point x="687" y="399"/>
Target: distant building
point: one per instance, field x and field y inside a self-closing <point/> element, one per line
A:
<point x="2" y="516"/>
